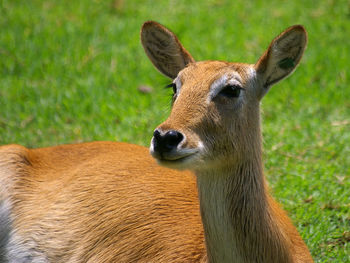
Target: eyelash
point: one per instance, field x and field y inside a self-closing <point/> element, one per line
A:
<point x="172" y="85"/>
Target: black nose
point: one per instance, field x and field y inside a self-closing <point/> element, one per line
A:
<point x="166" y="142"/>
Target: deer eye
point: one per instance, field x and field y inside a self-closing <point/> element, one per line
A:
<point x="231" y="91"/>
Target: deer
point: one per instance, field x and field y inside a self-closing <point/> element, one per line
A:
<point x="198" y="194"/>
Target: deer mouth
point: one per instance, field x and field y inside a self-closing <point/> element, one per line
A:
<point x="175" y="157"/>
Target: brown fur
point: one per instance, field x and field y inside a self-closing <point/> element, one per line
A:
<point x="111" y="202"/>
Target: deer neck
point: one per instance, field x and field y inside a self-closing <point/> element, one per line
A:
<point x="237" y="218"/>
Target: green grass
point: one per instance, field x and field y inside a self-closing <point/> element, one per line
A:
<point x="70" y="72"/>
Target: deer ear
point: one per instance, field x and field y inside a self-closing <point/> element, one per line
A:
<point x="164" y="49"/>
<point x="282" y="56"/>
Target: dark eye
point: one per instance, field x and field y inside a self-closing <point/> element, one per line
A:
<point x="172" y="85"/>
<point x="231" y="91"/>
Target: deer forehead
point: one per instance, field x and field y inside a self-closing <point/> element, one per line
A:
<point x="207" y="78"/>
<point x="198" y="84"/>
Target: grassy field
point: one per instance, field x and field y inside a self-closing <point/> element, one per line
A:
<point x="71" y="71"/>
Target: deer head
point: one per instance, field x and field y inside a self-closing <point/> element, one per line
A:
<point x="215" y="118"/>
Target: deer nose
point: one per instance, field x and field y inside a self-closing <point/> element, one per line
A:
<point x="164" y="143"/>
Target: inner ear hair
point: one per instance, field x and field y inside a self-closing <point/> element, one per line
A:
<point x="283" y="55"/>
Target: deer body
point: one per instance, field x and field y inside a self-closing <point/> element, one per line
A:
<point x="85" y="203"/>
<point x="111" y="202"/>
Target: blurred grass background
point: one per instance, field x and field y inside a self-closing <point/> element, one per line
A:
<point x="72" y="71"/>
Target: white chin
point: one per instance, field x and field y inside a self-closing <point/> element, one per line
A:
<point x="187" y="162"/>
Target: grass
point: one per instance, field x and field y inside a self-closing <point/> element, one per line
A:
<point x="70" y="71"/>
